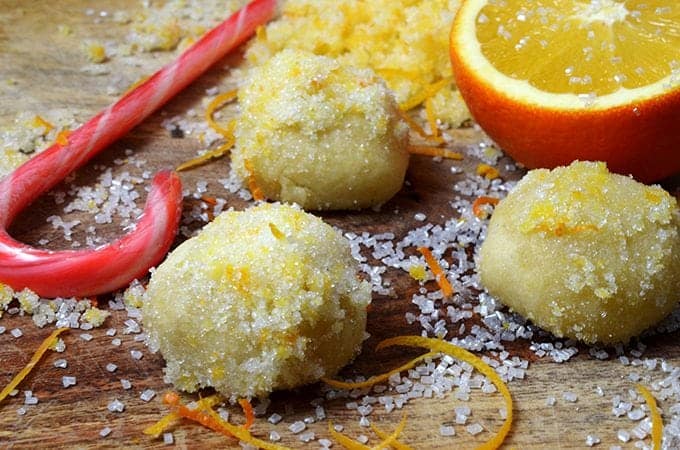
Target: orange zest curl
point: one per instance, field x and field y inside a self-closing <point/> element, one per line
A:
<point x="248" y="412"/>
<point x="487" y="171"/>
<point x="44" y="346"/>
<point x="463" y="355"/>
<point x="372" y="381"/>
<point x="437" y="271"/>
<point x="206" y="416"/>
<point x="657" y="422"/>
<point x="39" y="122"/>
<point x="418" y="129"/>
<point x="383" y="435"/>
<point x="387" y="440"/>
<point x="62" y="137"/>
<point x="477" y="205"/>
<point x="427" y="92"/>
<point x="252" y="183"/>
<point x="211" y="154"/>
<point x="431" y="117"/>
<point x="434" y="152"/>
<point x="217" y="103"/>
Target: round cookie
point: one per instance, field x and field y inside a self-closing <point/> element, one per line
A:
<point x="584" y="253"/>
<point x="319" y="134"/>
<point x="259" y="300"/>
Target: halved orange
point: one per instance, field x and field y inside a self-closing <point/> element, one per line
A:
<point x="552" y="81"/>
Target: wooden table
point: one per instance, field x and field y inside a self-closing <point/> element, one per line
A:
<point x="40" y="69"/>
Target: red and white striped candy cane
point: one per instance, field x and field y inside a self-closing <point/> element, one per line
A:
<point x="95" y="271"/>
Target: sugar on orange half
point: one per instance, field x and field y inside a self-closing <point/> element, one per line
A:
<point x="552" y="81"/>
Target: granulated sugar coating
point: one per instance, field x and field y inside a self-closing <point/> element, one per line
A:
<point x="260" y="300"/>
<point x="319" y="134"/>
<point x="584" y="253"/>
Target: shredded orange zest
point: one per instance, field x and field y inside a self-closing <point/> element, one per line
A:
<point x="562" y="229"/>
<point x="477" y="209"/>
<point x="657" y="422"/>
<point x="383" y="435"/>
<point x="241" y="433"/>
<point x="278" y="234"/>
<point x="44" y="346"/>
<point x="488" y="172"/>
<point x="346" y="442"/>
<point x="172" y="399"/>
<point x="434" y="152"/>
<point x="206" y="416"/>
<point x="163" y="424"/>
<point x="427" y="92"/>
<point x="261" y="33"/>
<point x="248" y="412"/>
<point x="207" y="156"/>
<point x="62" y="137"/>
<point x="217" y="103"/>
<point x="387" y="440"/>
<point x="252" y="184"/>
<point x="459" y="353"/>
<point x="212" y="201"/>
<point x="418" y="129"/>
<point x="431" y="117"/>
<point x="437" y="270"/>
<point x="39" y="122"/>
<point x="378" y="378"/>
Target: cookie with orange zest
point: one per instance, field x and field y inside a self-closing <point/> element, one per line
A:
<point x="555" y="81"/>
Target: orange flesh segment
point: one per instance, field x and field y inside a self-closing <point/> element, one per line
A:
<point x="583" y="48"/>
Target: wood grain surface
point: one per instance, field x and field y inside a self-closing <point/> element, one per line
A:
<point x="41" y="69"/>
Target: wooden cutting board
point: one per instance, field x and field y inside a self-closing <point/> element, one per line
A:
<point x="41" y="69"/>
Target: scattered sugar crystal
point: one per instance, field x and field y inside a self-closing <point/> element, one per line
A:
<point x="21" y="411"/>
<point x="325" y="443"/>
<point x="592" y="440"/>
<point x="86" y="337"/>
<point x="338" y="428"/>
<point x="364" y="422"/>
<point x="550" y="401"/>
<point x="126" y="384"/>
<point x="116" y="406"/>
<point x="636" y="414"/>
<point x="111" y="367"/>
<point x="105" y="432"/>
<point x="447" y="430"/>
<point x="168" y="438"/>
<point x="136" y="354"/>
<point x="307" y="436"/>
<point x="274" y="418"/>
<point x="623" y="435"/>
<point x="29" y="399"/>
<point x="362" y="439"/>
<point x="61" y="364"/>
<point x="570" y="396"/>
<point x="274" y="436"/>
<point x="474" y="429"/>
<point x="111" y="332"/>
<point x="147" y="395"/>
<point x="2" y="330"/>
<point x="68" y="381"/>
<point x="116" y="342"/>
<point x="16" y="332"/>
<point x="297" y="427"/>
<point x="420" y="217"/>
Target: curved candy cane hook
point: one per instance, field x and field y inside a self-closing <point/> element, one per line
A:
<point x="82" y="273"/>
